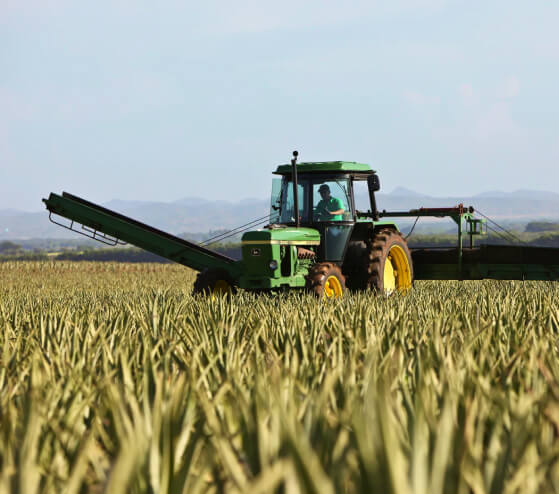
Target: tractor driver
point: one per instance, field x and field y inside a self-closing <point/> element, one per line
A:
<point x="328" y="208"/>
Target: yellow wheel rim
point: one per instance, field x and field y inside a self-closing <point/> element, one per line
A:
<point x="397" y="272"/>
<point x="389" y="275"/>
<point x="332" y="287"/>
<point x="221" y="287"/>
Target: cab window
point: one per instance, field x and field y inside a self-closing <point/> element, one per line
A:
<point x="287" y="204"/>
<point x="275" y="201"/>
<point x="331" y="200"/>
<point x="361" y="195"/>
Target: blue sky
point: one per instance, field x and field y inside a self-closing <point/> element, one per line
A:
<point x="159" y="101"/>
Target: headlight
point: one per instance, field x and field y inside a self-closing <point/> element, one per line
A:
<point x="273" y="264"/>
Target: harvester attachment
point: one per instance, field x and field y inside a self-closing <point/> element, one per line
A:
<point x="113" y="228"/>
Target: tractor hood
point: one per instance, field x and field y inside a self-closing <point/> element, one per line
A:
<point x="283" y="236"/>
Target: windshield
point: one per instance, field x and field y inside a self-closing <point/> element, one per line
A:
<point x="331" y="200"/>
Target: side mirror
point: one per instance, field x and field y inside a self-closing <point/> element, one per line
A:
<point x="373" y="182"/>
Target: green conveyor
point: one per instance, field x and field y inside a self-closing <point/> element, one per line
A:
<point x="113" y="228"/>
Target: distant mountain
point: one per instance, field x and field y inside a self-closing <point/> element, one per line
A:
<point x="521" y="205"/>
<point x="191" y="201"/>
<point x="496" y="194"/>
<point x="403" y="192"/>
<point x="504" y="207"/>
<point x="118" y="204"/>
<point x="537" y="195"/>
<point x="185" y="215"/>
<point x="192" y="214"/>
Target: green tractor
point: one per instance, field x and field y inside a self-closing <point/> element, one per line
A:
<point x="326" y="247"/>
<point x="316" y="240"/>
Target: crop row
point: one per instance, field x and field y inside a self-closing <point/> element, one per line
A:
<point x="114" y="378"/>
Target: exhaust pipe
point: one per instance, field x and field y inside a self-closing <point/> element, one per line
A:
<point x="295" y="195"/>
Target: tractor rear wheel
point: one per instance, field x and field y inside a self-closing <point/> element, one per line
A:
<point x="326" y="280"/>
<point x="388" y="263"/>
<point x="213" y="281"/>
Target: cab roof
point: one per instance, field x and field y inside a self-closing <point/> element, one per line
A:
<point x="325" y="166"/>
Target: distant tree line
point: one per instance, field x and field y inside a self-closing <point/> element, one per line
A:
<point x="10" y="248"/>
<point x="538" y="234"/>
<point x="541" y="226"/>
<point x="128" y="254"/>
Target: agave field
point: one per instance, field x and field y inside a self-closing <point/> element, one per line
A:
<point x="114" y="378"/>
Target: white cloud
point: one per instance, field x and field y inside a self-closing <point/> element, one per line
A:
<point x="509" y="88"/>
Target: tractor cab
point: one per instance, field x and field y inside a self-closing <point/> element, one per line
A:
<point x="325" y="201"/>
<point x="318" y="198"/>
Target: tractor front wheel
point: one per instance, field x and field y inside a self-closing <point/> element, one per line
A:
<point x="389" y="264"/>
<point x="214" y="282"/>
<point x="326" y="280"/>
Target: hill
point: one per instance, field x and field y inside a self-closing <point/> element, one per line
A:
<point x="192" y="214"/>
